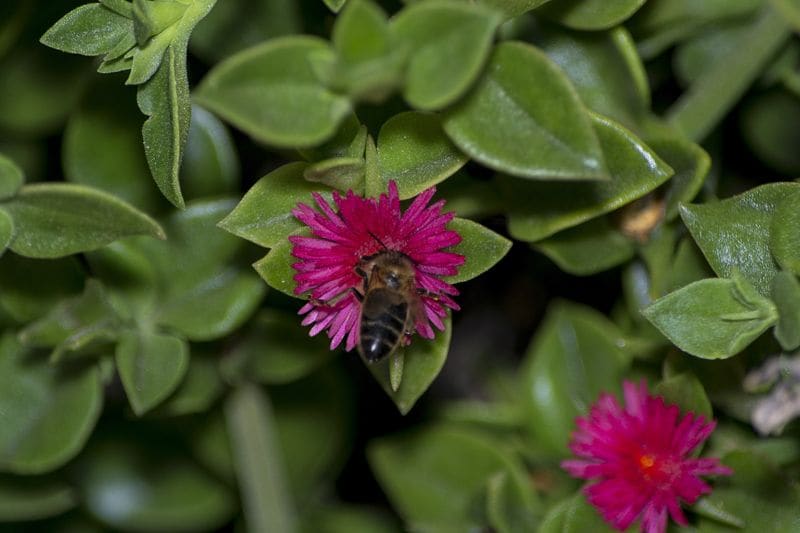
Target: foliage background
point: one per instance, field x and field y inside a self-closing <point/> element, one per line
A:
<point x="638" y="154"/>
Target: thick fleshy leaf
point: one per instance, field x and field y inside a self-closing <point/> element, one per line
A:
<point x="540" y="209"/>
<point x="769" y="124"/>
<point x="314" y="418"/>
<point x="758" y="494"/>
<point x="272" y="93"/>
<point x="276" y="268"/>
<point x="58" y="219"/>
<point x="102" y="146"/>
<point x="343" y="173"/>
<point x="210" y="166"/>
<point x="127" y="486"/>
<point x="264" y="215"/>
<point x="448" y="43"/>
<point x="47" y="413"/>
<point x="685" y="391"/>
<point x="481" y="247"/>
<point x="11" y="177"/>
<point x="576" y="354"/>
<point x="713" y="318"/>
<point x="151" y="366"/>
<point x="691" y="165"/>
<point x="214" y="307"/>
<point x="258" y="459"/>
<point x="581" y="516"/>
<point x="276" y="349"/>
<point x="414" y="151"/>
<point x="451" y="498"/>
<point x="234" y="25"/>
<point x="40" y="88"/>
<point x="510" y="506"/>
<point x="735" y="233"/>
<point x="89" y="30"/>
<point x="201" y="387"/>
<point x="711" y="96"/>
<point x="74" y="323"/>
<point x="588" y="248"/>
<point x="525" y="118"/>
<point x="24" y="498"/>
<point x="604" y="68"/>
<point x="786" y="296"/>
<point x="30" y="288"/>
<point x="513" y="8"/>
<point x="784" y="240"/>
<point x="423" y="360"/>
<point x="591" y="14"/>
<point x="368" y="66"/>
<point x="6" y="230"/>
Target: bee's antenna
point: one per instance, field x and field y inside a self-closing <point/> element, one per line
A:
<point x="377" y="240"/>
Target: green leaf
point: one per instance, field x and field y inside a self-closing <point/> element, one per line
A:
<point x="314" y="420"/>
<point x="58" y="219"/>
<point x="7" y="231"/>
<point x="152" y="18"/>
<point x="128" y="275"/>
<point x="414" y="151"/>
<point x="691" y="165"/>
<point x="449" y="43"/>
<point x="591" y="14"/>
<point x="685" y="391"/>
<point x="199" y="390"/>
<point x="581" y="516"/>
<point x="711" y="96"/>
<point x="34" y="498"/>
<point x="210" y="166"/>
<point x="102" y="146"/>
<point x="769" y="123"/>
<point x="264" y="215"/>
<point x="151" y="366"/>
<point x="47" y="414"/>
<point x="215" y="307"/>
<point x="784" y="239"/>
<point x="11" y="177"/>
<point x="257" y="457"/>
<point x="30" y="288"/>
<point x="513" y="8"/>
<point x="40" y="88"/>
<point x="422" y="362"/>
<point x="786" y="296"/>
<point x="272" y="93"/>
<point x="74" y="323"/>
<point x="604" y="68"/>
<point x="89" y="30"/>
<point x="276" y="349"/>
<point x="334" y="5"/>
<point x="509" y="506"/>
<point x="343" y="173"/>
<point x="367" y="66"/>
<point x="540" y="209"/>
<point x="451" y="495"/>
<point x="588" y="248"/>
<point x="575" y="355"/>
<point x="735" y="233"/>
<point x="132" y="486"/>
<point x="165" y="101"/>
<point x="524" y="117"/>
<point x="481" y="247"/>
<point x="713" y="318"/>
<point x="276" y="268"/>
<point x="757" y="494"/>
<point x="346" y="518"/>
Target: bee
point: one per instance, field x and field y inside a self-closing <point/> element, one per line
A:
<point x="389" y="305"/>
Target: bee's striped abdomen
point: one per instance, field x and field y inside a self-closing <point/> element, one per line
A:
<point x="383" y="320"/>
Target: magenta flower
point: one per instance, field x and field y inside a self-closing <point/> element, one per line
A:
<point x="639" y="456"/>
<point x="333" y="264"/>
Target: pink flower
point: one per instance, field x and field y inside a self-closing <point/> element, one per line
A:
<point x="328" y="262"/>
<point x="639" y="456"/>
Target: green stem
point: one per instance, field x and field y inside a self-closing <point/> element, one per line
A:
<point x="709" y="98"/>
<point x="257" y="458"/>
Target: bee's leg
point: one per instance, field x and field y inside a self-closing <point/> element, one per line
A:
<point x="358" y="295"/>
<point x="432" y="295"/>
<point x="360" y="272"/>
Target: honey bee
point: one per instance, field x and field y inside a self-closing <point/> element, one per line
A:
<point x="389" y="305"/>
